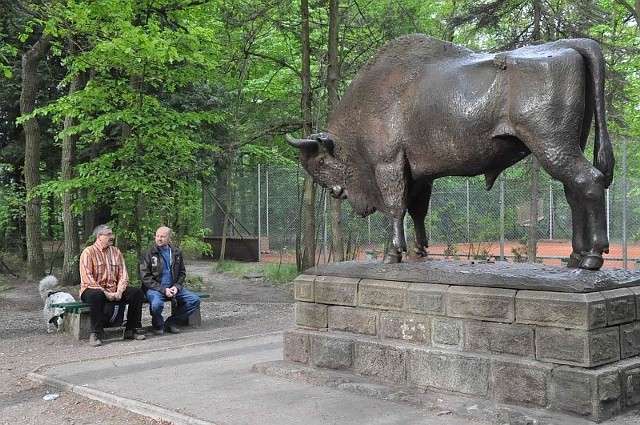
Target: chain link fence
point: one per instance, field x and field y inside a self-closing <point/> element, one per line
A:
<point x="465" y="220"/>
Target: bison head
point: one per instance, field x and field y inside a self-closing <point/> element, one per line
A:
<point x="318" y="158"/>
<point x="324" y="162"/>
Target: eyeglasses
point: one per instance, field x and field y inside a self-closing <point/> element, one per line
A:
<point x="106" y="234"/>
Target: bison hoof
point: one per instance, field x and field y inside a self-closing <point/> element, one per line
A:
<point x="392" y="258"/>
<point x="591" y="262"/>
<point x="574" y="260"/>
<point x="421" y="251"/>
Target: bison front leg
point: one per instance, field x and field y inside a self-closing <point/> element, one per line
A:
<point x="392" y="182"/>
<point x="397" y="245"/>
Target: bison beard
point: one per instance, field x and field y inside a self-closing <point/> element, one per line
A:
<point x="422" y="108"/>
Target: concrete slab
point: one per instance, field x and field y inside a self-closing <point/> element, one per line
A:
<point x="213" y="383"/>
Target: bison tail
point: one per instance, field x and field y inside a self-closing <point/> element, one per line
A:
<point x="603" y="153"/>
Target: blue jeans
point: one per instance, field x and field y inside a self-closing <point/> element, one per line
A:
<point x="186" y="303"/>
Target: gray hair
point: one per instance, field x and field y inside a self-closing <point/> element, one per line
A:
<point x="100" y="229"/>
<point x="169" y="231"/>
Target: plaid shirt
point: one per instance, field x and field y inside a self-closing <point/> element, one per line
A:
<point x="102" y="268"/>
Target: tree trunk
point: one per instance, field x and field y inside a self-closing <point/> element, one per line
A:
<point x="35" y="253"/>
<point x="309" y="196"/>
<point x="227" y="211"/>
<point x="333" y="73"/>
<point x="125" y="243"/>
<point x="219" y="189"/>
<point x="308" y="200"/>
<point x="70" y="274"/>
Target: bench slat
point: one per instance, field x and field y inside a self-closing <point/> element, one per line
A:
<point x="79" y="305"/>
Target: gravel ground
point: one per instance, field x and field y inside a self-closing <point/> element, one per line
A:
<point x="237" y="307"/>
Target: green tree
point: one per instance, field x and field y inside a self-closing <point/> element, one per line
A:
<point x="182" y="91"/>
<point x="137" y="55"/>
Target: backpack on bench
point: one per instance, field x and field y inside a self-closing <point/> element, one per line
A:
<point x="115" y="315"/>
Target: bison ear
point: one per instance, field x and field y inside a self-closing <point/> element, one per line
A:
<point x="326" y="141"/>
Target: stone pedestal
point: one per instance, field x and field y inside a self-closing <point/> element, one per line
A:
<point x="564" y="340"/>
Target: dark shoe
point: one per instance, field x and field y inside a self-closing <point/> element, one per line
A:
<point x="172" y="329"/>
<point x="94" y="340"/>
<point x="158" y="331"/>
<point x="133" y="334"/>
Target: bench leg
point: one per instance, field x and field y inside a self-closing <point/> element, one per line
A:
<point x="78" y="324"/>
<point x="194" y="320"/>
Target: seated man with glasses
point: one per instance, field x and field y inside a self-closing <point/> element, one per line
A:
<point x="104" y="278"/>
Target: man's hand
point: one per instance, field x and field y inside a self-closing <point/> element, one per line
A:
<point x="113" y="296"/>
<point x="170" y="292"/>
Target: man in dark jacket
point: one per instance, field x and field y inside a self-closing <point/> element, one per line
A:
<point x="162" y="272"/>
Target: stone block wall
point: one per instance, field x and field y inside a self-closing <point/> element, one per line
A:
<point x="575" y="353"/>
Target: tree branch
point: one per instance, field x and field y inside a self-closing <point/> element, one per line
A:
<point x="634" y="11"/>
<point x="278" y="61"/>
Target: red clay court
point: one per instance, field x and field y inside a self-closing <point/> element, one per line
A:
<point x="549" y="252"/>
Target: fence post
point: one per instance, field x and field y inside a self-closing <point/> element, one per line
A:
<point x="259" y="218"/>
<point x="468" y="214"/>
<point x="502" y="258"/>
<point x="624" y="204"/>
<point x="550" y="210"/>
<point x="266" y="206"/>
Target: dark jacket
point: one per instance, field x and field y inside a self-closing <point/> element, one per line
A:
<point x="152" y="265"/>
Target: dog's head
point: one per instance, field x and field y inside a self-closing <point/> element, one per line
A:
<point x="58" y="321"/>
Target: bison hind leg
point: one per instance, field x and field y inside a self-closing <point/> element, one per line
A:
<point x="592" y="261"/>
<point x="418" y="206"/>
<point x="574" y="260"/>
<point x="585" y="260"/>
<point x="420" y="249"/>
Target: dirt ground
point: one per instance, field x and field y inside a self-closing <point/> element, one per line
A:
<point x="237" y="307"/>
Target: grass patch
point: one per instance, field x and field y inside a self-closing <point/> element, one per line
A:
<point x="274" y="273"/>
<point x="195" y="283"/>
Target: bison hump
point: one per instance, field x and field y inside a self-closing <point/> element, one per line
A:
<point x="410" y="51"/>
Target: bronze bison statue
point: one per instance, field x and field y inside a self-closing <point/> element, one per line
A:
<point x="422" y="108"/>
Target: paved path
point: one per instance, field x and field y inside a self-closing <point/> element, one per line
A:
<point x="212" y="375"/>
<point x="212" y="383"/>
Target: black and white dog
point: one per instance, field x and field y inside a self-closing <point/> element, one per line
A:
<point x="53" y="316"/>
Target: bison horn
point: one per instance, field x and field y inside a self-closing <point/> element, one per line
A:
<point x="301" y="143"/>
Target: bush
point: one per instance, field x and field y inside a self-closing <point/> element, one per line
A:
<point x="275" y="273"/>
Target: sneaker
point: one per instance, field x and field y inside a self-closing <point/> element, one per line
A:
<point x="133" y="334"/>
<point x="157" y="331"/>
<point x="94" y="340"/>
<point x="172" y="329"/>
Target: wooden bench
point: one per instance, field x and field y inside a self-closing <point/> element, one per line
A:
<point x="78" y="322"/>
